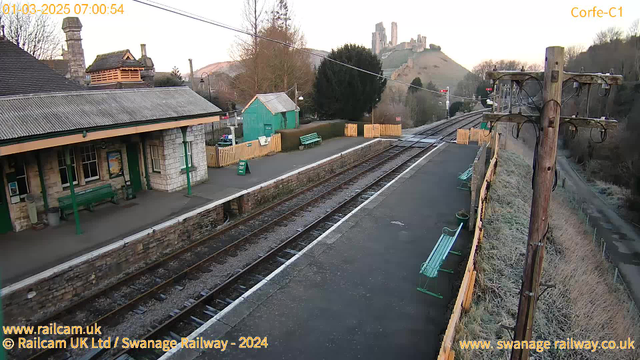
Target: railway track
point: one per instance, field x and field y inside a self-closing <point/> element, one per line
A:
<point x="110" y="307"/>
<point x="459" y="123"/>
<point x="200" y="311"/>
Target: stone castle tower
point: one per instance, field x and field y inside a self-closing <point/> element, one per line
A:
<point x="394" y="34"/>
<point x="378" y="39"/>
<point x="71" y="26"/>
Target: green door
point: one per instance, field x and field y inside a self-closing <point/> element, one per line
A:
<point x="134" y="167"/>
<point x="5" y="218"/>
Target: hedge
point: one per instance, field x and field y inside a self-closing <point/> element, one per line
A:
<point x="326" y="129"/>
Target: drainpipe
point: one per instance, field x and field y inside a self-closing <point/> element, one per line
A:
<point x="186" y="157"/>
<point x="144" y="158"/>
<point x="42" y="184"/>
<point x="67" y="158"/>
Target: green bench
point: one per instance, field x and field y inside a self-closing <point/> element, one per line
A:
<point x="87" y="198"/>
<point x="432" y="266"/>
<point x="310" y="139"/>
<point x="465" y="179"/>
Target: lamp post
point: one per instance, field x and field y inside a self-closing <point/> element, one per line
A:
<point x="208" y="83"/>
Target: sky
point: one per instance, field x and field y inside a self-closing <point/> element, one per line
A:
<point x="468" y="31"/>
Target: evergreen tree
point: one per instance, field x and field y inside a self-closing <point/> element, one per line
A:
<point x="343" y="92"/>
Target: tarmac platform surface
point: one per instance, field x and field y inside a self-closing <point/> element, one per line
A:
<point x="353" y="293"/>
<point x="30" y="252"/>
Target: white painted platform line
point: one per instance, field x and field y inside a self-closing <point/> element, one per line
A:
<point x="122" y="243"/>
<point x="211" y="321"/>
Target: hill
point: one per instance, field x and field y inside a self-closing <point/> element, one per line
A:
<point x="230" y="68"/>
<point x="429" y="65"/>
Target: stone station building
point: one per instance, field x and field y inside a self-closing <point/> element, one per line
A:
<point x="56" y="131"/>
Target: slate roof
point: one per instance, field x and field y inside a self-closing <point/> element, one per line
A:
<point x="113" y="60"/>
<point x="58" y="65"/>
<point x="275" y="102"/>
<point x="25" y="116"/>
<point x="21" y="73"/>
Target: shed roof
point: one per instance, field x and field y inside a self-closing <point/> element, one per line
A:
<point x="25" y="116"/>
<point x="21" y="73"/>
<point x="114" y="60"/>
<point x="275" y="102"/>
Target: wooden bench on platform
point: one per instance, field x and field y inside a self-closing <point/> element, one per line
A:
<point x="310" y="139"/>
<point x="465" y="179"/>
<point x="87" y="198"/>
<point x="432" y="266"/>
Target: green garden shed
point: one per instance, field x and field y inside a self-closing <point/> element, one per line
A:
<point x="267" y="113"/>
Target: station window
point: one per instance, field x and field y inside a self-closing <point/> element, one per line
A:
<point x="155" y="158"/>
<point x="21" y="178"/>
<point x="89" y="162"/>
<point x="62" y="167"/>
<point x="189" y="155"/>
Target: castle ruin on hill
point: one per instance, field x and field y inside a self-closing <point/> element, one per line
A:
<point x="379" y="43"/>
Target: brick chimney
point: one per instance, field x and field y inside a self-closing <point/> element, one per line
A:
<point x="148" y="73"/>
<point x="74" y="54"/>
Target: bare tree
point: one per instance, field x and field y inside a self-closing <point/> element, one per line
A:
<point x="269" y="66"/>
<point x="608" y="35"/>
<point x="572" y="52"/>
<point x="634" y="29"/>
<point x="36" y="34"/>
<point x="533" y="67"/>
<point x="246" y="50"/>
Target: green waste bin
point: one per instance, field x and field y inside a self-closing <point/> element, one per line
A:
<point x="128" y="191"/>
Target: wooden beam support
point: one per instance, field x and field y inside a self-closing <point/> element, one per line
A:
<point x="582" y="122"/>
<point x="583" y="78"/>
<point x="593" y="78"/>
<point x="514" y="75"/>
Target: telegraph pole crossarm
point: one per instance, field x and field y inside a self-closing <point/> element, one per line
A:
<point x="581" y="122"/>
<point x="577" y="121"/>
<point x="583" y="78"/>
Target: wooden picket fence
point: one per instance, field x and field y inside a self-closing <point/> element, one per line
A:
<point x="377" y="130"/>
<point x="465" y="294"/>
<point x="390" y="130"/>
<point x="219" y="157"/>
<point x="480" y="136"/>
<point x="351" y="130"/>
<point x="372" y="131"/>
<point x="462" y="137"/>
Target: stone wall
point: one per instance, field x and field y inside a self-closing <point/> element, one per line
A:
<point x="175" y="177"/>
<point x="269" y="193"/>
<point x="35" y="301"/>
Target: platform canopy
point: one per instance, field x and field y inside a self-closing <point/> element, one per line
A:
<point x="31" y="122"/>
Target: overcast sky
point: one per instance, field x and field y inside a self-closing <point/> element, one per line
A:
<point x="468" y="31"/>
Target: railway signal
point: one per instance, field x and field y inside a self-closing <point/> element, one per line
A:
<point x="489" y="89"/>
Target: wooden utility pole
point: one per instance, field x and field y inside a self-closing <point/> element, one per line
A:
<point x="548" y="123"/>
<point x="542" y="187"/>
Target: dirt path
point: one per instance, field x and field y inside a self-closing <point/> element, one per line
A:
<point x="622" y="239"/>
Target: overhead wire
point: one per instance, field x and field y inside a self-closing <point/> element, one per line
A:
<point x="192" y="16"/>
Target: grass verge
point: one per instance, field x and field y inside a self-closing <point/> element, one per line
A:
<point x="584" y="305"/>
